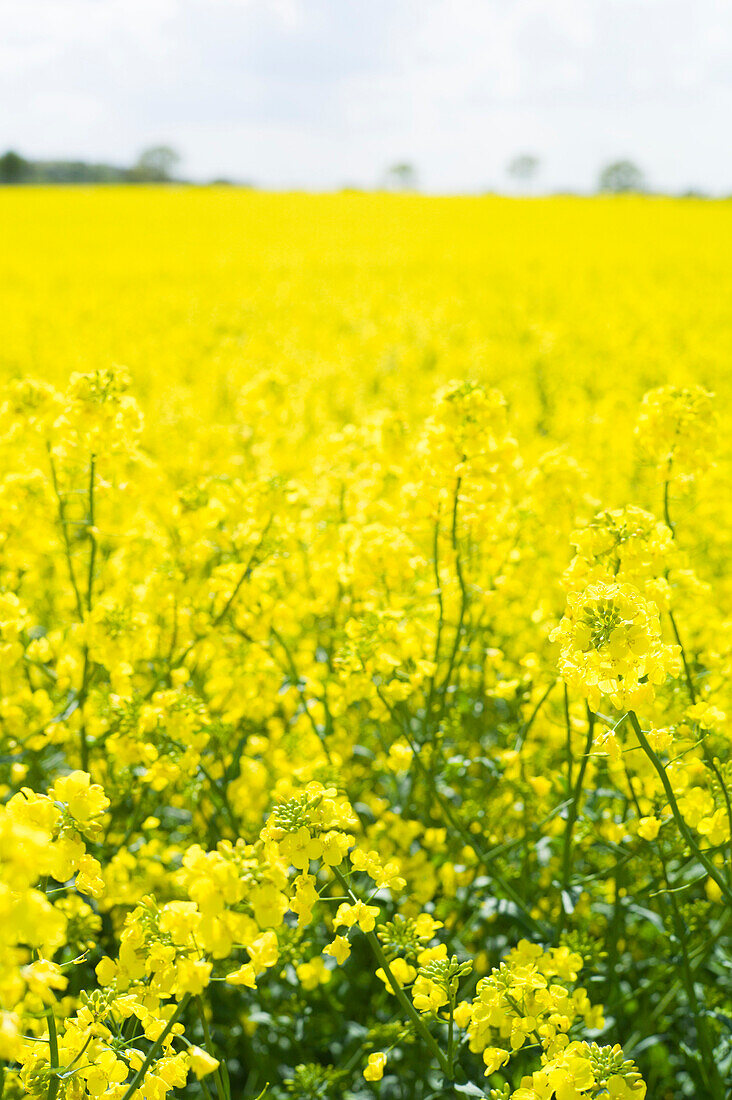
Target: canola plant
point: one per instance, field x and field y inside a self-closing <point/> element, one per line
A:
<point x="366" y="647"/>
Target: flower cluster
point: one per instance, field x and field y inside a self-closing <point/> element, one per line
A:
<point x="584" y="1070"/>
<point x="611" y="645"/>
<point x="526" y="999"/>
<point x="677" y="427"/>
<point x="623" y="546"/>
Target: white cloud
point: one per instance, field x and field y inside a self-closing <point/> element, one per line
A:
<point x="316" y="92"/>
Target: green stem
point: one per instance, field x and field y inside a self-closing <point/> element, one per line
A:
<point x="521" y="1013"/>
<point x="65" y="534"/>
<point x="568" y="724"/>
<point x="684" y="661"/>
<point x="711" y="762"/>
<point x="54" y="1082"/>
<point x="572" y="816"/>
<point x="451" y="1037"/>
<point x="296" y="683"/>
<point x="155" y="1049"/>
<point x="83" y="690"/>
<point x="485" y="858"/>
<point x="674" y="807"/>
<point x="91" y="535"/>
<point x="174" y="661"/>
<point x="463" y="602"/>
<point x="222" y="799"/>
<point x="440" y="626"/>
<point x="399" y="993"/>
<point x="666" y="509"/>
<point x="220" y="1090"/>
<point x="707" y="1062"/>
<point x="526" y="726"/>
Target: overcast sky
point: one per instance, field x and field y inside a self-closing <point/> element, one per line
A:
<point x="319" y="93"/>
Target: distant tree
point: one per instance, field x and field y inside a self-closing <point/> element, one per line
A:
<point x="14" y="168"/>
<point x="77" y="171"/>
<point x="402" y="176"/>
<point x="155" y="165"/>
<point x="621" y="177"/>
<point x="524" y="167"/>
<point x="227" y="181"/>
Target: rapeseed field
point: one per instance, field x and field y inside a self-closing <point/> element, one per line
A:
<point x="366" y="646"/>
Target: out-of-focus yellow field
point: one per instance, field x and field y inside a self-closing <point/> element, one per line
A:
<point x="294" y="314"/>
<point x="365" y="703"/>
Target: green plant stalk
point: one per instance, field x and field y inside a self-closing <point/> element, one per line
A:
<point x="521" y="1013"/>
<point x="54" y="1082"/>
<point x="674" y="806"/>
<point x="568" y="724"/>
<point x="451" y="1037"/>
<point x="175" y="660"/>
<point x="220" y="1088"/>
<point x="666" y="486"/>
<point x="687" y="670"/>
<point x="83" y="690"/>
<point x="156" y="1048"/>
<point x="526" y="726"/>
<point x="427" y="724"/>
<point x="63" y="522"/>
<point x="440" y="626"/>
<point x="464" y="600"/>
<point x="708" y="1066"/>
<point x="572" y="816"/>
<point x="65" y="534"/>
<point x="486" y="858"/>
<point x="295" y="679"/>
<point x="399" y="993"/>
<point x="705" y="749"/>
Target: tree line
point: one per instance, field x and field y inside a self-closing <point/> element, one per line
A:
<point x="154" y="165"/>
<point x="158" y="164"/>
<point x="617" y="177"/>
